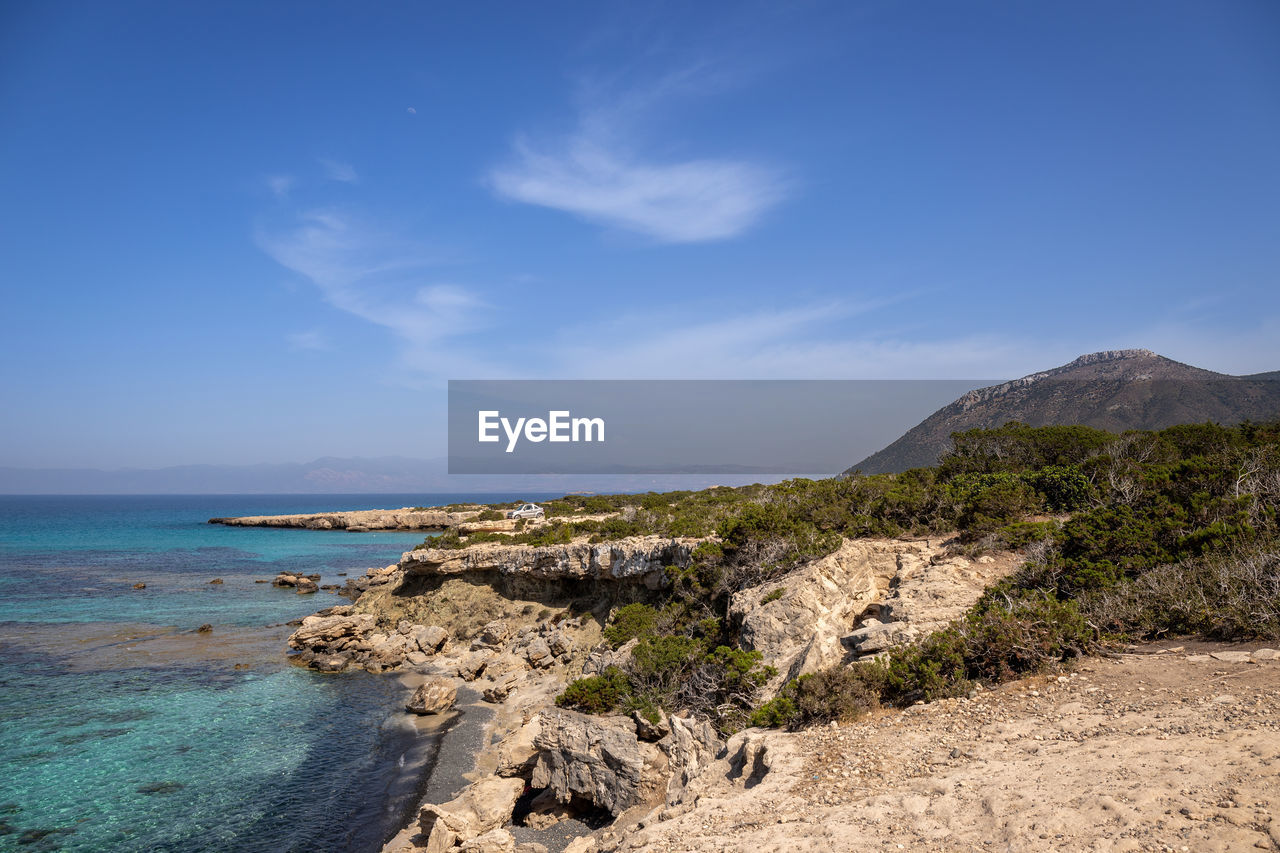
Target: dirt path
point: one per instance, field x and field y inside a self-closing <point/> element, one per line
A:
<point x="1171" y="751"/>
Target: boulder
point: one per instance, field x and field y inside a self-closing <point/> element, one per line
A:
<point x="206" y="628"/>
<point x="875" y="636"/>
<point x="492" y="635"/>
<point x="493" y="841"/>
<point x="433" y="697"/>
<point x="321" y="632"/>
<point x="498" y="692"/>
<point x="651" y="730"/>
<point x="538" y="653"/>
<point x="560" y="642"/>
<point x="304" y="587"/>
<point x="215" y="581"/>
<point x="330" y="663"/>
<point x="517" y="753"/>
<point x="472" y="664"/>
<point x="482" y="807"/>
<point x="545" y="811"/>
<point x="603" y="656"/>
<point x="598" y="759"/>
<point x="430" y="639"/>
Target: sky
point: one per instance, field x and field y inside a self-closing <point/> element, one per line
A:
<point x="254" y="232"/>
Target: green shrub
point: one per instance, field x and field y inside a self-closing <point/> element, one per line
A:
<point x="596" y="694"/>
<point x="773" y="595"/>
<point x="840" y="693"/>
<point x="1020" y="534"/>
<point x="633" y="620"/>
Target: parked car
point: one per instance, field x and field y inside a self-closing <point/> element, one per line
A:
<point x="526" y="511"/>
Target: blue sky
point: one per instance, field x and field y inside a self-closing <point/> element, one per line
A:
<point x="260" y="232"/>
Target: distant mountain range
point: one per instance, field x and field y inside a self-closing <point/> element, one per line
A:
<point x="1114" y="390"/>
<point x="389" y="475"/>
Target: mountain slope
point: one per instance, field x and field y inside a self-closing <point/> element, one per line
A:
<point x="1113" y="390"/>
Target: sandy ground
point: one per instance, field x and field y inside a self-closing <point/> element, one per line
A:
<point x="1168" y="750"/>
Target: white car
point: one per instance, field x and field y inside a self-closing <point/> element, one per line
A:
<point x="526" y="511"/>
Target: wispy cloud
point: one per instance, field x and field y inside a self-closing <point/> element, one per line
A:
<point x="336" y="171"/>
<point x="280" y="185"/>
<point x="312" y="339"/>
<point x="807" y="341"/>
<point x="594" y="172"/>
<point x="379" y="279"/>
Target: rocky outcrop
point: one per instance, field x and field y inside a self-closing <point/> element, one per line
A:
<point x="799" y="630"/>
<point x="358" y="520"/>
<point x="433" y="697"/>
<point x="641" y="559"/>
<point x="866" y="597"/>
<point x="598" y="759"/>
<point x="338" y="637"/>
<point x="295" y="579"/>
<point x="481" y="808"/>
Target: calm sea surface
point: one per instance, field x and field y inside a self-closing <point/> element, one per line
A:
<point x="121" y="728"/>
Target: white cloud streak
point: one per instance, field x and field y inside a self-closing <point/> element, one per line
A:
<point x="595" y="173"/>
<point x="689" y="202"/>
<point x="378" y="279"/>
<point x="343" y="172"/>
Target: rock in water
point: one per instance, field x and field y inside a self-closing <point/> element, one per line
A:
<point x="434" y="697"/>
<point x="206" y="628"/>
<point x="139" y="586"/>
<point x="305" y="586"/>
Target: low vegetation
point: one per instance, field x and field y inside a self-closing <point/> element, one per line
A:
<point x="1139" y="535"/>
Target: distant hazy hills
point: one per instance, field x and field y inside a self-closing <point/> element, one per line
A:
<point x="389" y="475"/>
<point x="1114" y="390"/>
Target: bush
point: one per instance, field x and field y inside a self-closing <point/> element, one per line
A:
<point x="773" y="595"/>
<point x="596" y="694"/>
<point x="1234" y="596"/>
<point x="1005" y="638"/>
<point x="634" y="620"/>
<point x="840" y="693"/>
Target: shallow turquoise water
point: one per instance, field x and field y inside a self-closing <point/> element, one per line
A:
<point x="123" y="729"/>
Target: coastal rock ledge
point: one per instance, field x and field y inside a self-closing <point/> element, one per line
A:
<point x="406" y="518"/>
<point x="636" y="558"/>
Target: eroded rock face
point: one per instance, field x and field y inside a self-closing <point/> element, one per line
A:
<point x="481" y="808"/>
<point x="912" y="587"/>
<point x="799" y="631"/>
<point x="434" y="697"/>
<point x="637" y="558"/>
<point x="599" y="759"/>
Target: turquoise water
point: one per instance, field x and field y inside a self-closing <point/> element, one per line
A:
<point x="122" y="728"/>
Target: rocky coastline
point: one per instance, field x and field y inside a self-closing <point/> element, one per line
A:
<point x="516" y="623"/>
<point x="509" y="626"/>
<point x="356" y="521"/>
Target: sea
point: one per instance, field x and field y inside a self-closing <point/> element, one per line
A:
<point x="123" y="728"/>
